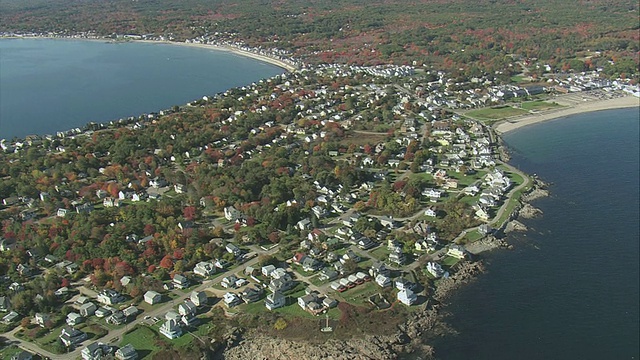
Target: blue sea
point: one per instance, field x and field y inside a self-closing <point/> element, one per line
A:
<point x="49" y="85"/>
<point x="570" y="289"/>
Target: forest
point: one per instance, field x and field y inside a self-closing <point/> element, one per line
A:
<point x="461" y="34"/>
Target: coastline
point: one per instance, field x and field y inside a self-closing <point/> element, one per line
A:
<point x="240" y="52"/>
<point x="571" y="109"/>
<point x="263" y="58"/>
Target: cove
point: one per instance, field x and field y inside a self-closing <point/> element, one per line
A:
<point x="50" y="85"/>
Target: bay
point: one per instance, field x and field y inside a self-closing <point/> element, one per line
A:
<point x="50" y="85"/>
<point x="570" y="289"/>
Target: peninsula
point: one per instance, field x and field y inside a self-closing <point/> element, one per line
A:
<point x="325" y="212"/>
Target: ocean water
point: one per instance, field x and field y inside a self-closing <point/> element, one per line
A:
<point x="49" y="85"/>
<point x="570" y="289"/>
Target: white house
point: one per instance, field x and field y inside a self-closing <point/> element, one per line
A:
<point x="275" y="300"/>
<point x="231" y="213"/>
<point x="435" y="269"/>
<point x="198" y="298"/>
<point x="456" y="251"/>
<point x="187" y="308"/>
<point x="171" y="329"/>
<point x="109" y="297"/>
<point x="152" y="297"/>
<point x="383" y="280"/>
<point x="204" y="269"/>
<point x="88" y="309"/>
<point x="407" y="297"/>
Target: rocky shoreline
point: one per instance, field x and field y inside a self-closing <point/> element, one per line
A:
<point x="412" y="337"/>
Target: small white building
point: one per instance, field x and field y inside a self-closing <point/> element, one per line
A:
<point x="171" y="329"/>
<point x="275" y="300"/>
<point x="407" y="297"/>
<point x="152" y="297"/>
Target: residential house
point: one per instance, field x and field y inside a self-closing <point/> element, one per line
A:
<point x="279" y="273"/>
<point x="16" y="287"/>
<point x="329" y="303"/>
<point x="310" y="264"/>
<point x="171" y="329"/>
<point x="72" y="336"/>
<point x="365" y="243"/>
<point x="71" y="268"/>
<point x="402" y="283"/>
<point x="22" y="355"/>
<point x="267" y="270"/>
<point x="199" y="298"/>
<point x="304" y="224"/>
<point x="281" y="284"/>
<point x="424" y="245"/>
<point x="397" y="256"/>
<point x="204" y="268"/>
<point x="5" y="303"/>
<point x="456" y="251"/>
<point x="24" y="270"/>
<point x="130" y="311"/>
<point x="10" y="318"/>
<point x="407" y="297"/>
<point x="230" y="299"/>
<point x="350" y="255"/>
<point x="233" y="249"/>
<point x="304" y="301"/>
<point x="127" y="352"/>
<point x="103" y="311"/>
<point x="430" y="212"/>
<point x="229" y="281"/>
<point x="92" y="351"/>
<point x="74" y="319"/>
<point x="383" y="281"/>
<point x="152" y="297"/>
<point x="117" y="318"/>
<point x="231" y="214"/>
<point x="275" y="300"/>
<point x="328" y="274"/>
<point x="250" y="295"/>
<point x="180" y="281"/>
<point x="62" y="212"/>
<point x="187" y="308"/>
<point x="379" y="268"/>
<point x="42" y="319"/>
<point x="435" y="269"/>
<point x="111" y="202"/>
<point x="109" y="297"/>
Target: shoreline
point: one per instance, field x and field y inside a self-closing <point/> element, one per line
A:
<point x="263" y="58"/>
<point x="512" y="124"/>
<point x="230" y="49"/>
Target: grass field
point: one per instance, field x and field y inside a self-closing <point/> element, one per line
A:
<point x="496" y="113"/>
<point x="539" y="105"/>
<point x="143" y="339"/>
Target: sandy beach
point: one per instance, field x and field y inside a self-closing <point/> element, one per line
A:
<point x="574" y="104"/>
<point x="259" y="57"/>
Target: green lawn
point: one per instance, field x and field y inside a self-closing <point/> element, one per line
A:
<point x="9" y="351"/>
<point x="381" y="253"/>
<point x="361" y="293"/>
<point x="472" y="236"/>
<point x="294" y="310"/>
<point x="518" y="79"/>
<point x="496" y="113"/>
<point x="143" y="339"/>
<point x="450" y="261"/>
<point x="539" y="105"/>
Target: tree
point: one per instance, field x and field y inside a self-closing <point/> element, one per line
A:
<point x="280" y="324"/>
<point x="350" y="266"/>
